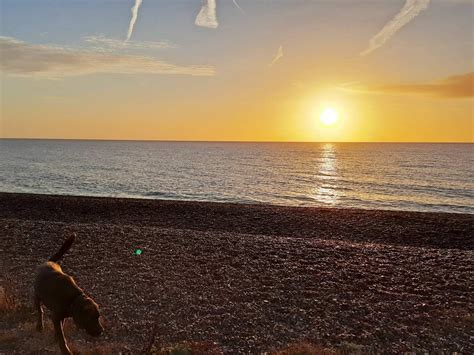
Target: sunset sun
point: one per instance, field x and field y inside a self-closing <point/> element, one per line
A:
<point x="329" y="116"/>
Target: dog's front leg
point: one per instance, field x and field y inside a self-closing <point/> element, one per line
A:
<point x="59" y="335"/>
<point x="39" y="310"/>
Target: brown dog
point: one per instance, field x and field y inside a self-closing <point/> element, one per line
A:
<point x="60" y="294"/>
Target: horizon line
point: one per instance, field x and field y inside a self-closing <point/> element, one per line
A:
<point x="232" y="141"/>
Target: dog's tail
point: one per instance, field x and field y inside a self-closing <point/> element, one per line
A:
<point x="66" y="246"/>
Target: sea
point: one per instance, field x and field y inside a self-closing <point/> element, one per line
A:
<point x="408" y="177"/>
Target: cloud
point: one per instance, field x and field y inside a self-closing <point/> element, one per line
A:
<point x="238" y="6"/>
<point x="104" y="43"/>
<point x="411" y="10"/>
<point x="134" y="10"/>
<point x="26" y="59"/>
<point x="207" y="16"/>
<point x="459" y="86"/>
<point x="277" y="57"/>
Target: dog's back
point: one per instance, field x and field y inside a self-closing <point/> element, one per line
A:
<point x="54" y="288"/>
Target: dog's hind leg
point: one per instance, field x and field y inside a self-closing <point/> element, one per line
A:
<point x="39" y="310"/>
<point x="59" y="335"/>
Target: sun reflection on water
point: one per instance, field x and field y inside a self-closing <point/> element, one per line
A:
<point x="327" y="175"/>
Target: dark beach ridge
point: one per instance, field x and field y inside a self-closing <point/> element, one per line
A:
<point x="250" y="278"/>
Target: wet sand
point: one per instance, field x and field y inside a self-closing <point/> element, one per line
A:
<point x="253" y="278"/>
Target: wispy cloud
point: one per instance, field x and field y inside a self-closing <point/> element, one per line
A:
<point x="26" y="59"/>
<point x="238" y="6"/>
<point x="134" y="18"/>
<point x="207" y="17"/>
<point x="105" y="43"/>
<point x="458" y="86"/>
<point x="277" y="57"/>
<point x="411" y="10"/>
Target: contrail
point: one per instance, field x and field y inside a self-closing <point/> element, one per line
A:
<point x="411" y="10"/>
<point x="237" y="5"/>
<point x="278" y="56"/>
<point x="207" y="16"/>
<point x="133" y="19"/>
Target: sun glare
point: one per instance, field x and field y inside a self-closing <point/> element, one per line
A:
<point x="329" y="116"/>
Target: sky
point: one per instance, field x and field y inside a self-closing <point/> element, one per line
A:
<point x="243" y="70"/>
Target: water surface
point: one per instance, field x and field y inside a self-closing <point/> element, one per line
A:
<point x="415" y="177"/>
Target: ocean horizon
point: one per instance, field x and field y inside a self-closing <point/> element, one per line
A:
<point x="426" y="177"/>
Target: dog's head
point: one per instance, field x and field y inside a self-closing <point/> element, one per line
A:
<point x="85" y="313"/>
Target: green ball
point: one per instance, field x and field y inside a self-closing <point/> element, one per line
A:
<point x="138" y="252"/>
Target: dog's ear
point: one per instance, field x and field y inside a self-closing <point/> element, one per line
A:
<point x="91" y="307"/>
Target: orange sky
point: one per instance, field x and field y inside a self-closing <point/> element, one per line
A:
<point x="264" y="74"/>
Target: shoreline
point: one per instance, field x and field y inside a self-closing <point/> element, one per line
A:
<point x="137" y="198"/>
<point x="250" y="278"/>
<point x="362" y="225"/>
